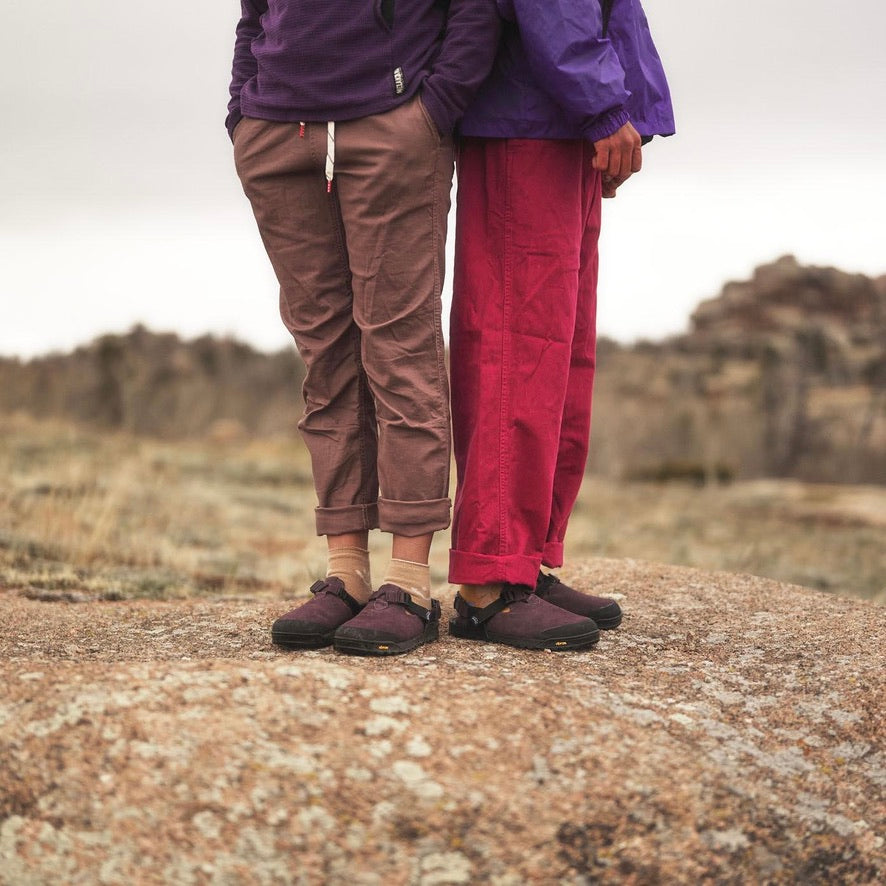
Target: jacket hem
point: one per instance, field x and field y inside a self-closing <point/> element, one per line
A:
<point x="250" y="107"/>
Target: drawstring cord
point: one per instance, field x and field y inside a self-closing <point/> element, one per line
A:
<point x="330" y="150"/>
<point x="330" y="154"/>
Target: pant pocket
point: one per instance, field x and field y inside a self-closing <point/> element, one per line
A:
<point x="438" y="136"/>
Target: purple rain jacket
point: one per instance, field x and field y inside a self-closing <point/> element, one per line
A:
<point x="557" y="76"/>
<point x="323" y="60"/>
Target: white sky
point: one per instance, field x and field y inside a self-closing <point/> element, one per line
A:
<point x="119" y="202"/>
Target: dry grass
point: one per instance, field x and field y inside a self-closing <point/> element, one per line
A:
<point x="821" y="536"/>
<point x="116" y="516"/>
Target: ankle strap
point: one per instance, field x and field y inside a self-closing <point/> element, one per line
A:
<point x="546" y="582"/>
<point x="477" y="615"/>
<point x="396" y="595"/>
<point x="337" y="589"/>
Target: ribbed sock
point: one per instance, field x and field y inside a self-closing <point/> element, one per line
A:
<point x="351" y="565"/>
<point x="414" y="578"/>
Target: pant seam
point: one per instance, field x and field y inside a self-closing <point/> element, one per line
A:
<point x="436" y="308"/>
<point x="504" y="448"/>
<point x="361" y="409"/>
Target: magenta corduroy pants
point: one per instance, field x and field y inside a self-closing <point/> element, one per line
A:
<point x="523" y="336"/>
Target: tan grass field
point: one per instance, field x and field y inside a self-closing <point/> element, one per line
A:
<point x="114" y="516"/>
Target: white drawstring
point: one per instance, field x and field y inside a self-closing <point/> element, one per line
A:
<point x="330" y="154"/>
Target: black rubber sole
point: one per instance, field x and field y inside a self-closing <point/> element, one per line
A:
<point x="300" y="640"/>
<point x="470" y="631"/>
<point x="357" y="646"/>
<point x="607" y="624"/>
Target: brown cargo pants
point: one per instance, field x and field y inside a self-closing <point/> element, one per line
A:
<point x="361" y="271"/>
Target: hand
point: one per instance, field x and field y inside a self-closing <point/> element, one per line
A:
<point x="618" y="157"/>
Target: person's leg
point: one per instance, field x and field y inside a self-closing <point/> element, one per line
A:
<point x="409" y="568"/>
<point x="575" y="427"/>
<point x="300" y="225"/>
<point x="393" y="175"/>
<point x="521" y="215"/>
<point x="576" y="424"/>
<point x="518" y="249"/>
<point x="348" y="560"/>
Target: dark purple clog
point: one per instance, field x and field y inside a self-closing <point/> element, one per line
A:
<point x="390" y="623"/>
<point x="313" y="624"/>
<point x="521" y="618"/>
<point x="605" y="612"/>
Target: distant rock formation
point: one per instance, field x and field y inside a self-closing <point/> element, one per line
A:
<point x="156" y="384"/>
<point x="781" y="375"/>
<point x="785" y="297"/>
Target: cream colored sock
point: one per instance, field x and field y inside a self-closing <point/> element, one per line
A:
<point x="414" y="578"/>
<point x="351" y="565"/>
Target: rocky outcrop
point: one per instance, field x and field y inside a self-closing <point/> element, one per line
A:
<point x="785" y="297"/>
<point x="782" y="375"/>
<point x="729" y="732"/>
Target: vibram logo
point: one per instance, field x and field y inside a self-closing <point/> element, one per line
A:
<point x="384" y="647"/>
<point x="561" y="643"/>
<point x="506" y="610"/>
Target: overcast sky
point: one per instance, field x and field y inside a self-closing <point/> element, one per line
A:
<point x="119" y="202"/>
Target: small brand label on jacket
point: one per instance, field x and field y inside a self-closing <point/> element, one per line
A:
<point x="399" y="81"/>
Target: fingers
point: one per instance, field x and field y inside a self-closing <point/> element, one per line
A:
<point x="601" y="155"/>
<point x="630" y="155"/>
<point x="618" y="157"/>
<point x="631" y="162"/>
<point x="623" y="171"/>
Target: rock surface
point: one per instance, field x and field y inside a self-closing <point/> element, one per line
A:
<point x="731" y="731"/>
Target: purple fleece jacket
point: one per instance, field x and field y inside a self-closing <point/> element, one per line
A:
<point x="322" y="60"/>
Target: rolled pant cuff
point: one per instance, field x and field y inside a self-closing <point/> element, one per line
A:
<point x="467" y="568"/>
<point x="349" y="518"/>
<point x="413" y="518"/>
<point x="552" y="556"/>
